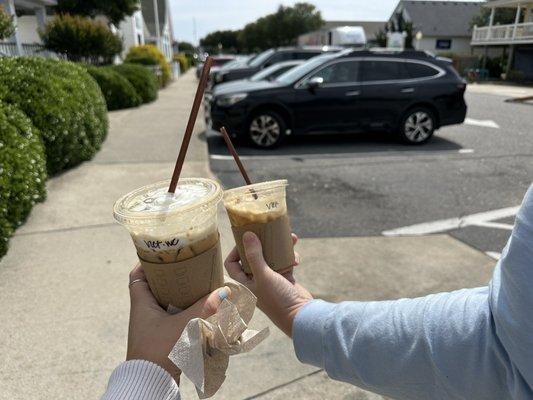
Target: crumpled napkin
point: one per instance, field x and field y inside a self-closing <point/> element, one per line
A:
<point x="202" y="352"/>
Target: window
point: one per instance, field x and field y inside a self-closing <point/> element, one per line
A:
<point x="306" y="55"/>
<point x="417" y="70"/>
<point x="443" y="44"/>
<point x="383" y="71"/>
<point x="340" y="72"/>
<point x="279" y="57"/>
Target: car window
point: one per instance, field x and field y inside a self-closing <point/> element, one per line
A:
<point x="278" y="57"/>
<point x="306" y="55"/>
<point x="260" y="58"/>
<point x="340" y="72"/>
<point x="417" y="70"/>
<point x="382" y="70"/>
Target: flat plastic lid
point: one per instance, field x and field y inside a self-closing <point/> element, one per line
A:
<point x="257" y="187"/>
<point x="150" y="202"/>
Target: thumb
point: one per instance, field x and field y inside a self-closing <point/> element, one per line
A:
<point x="207" y="305"/>
<point x="254" y="254"/>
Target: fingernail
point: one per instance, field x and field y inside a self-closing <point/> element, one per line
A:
<point x="224" y="293"/>
<point x="248" y="238"/>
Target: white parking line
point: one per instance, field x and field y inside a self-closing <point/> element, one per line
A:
<point x="466" y="151"/>
<point x="487" y="123"/>
<point x="483" y="219"/>
<point x="494" y="254"/>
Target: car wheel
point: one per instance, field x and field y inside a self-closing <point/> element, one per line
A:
<point x="417" y="126"/>
<point x="266" y="129"/>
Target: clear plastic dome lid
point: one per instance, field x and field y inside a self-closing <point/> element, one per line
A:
<point x="149" y="204"/>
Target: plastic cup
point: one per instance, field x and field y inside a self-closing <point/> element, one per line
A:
<point x="262" y="209"/>
<point x="171" y="228"/>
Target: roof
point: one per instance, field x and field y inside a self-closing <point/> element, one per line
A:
<point x="147" y="8"/>
<point x="440" y="18"/>
<point x="370" y="27"/>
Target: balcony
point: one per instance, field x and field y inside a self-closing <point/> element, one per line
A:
<point x="503" y="34"/>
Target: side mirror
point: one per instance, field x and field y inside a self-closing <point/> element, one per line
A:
<point x="315" y="82"/>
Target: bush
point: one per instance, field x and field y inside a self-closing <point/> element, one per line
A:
<point x="141" y="78"/>
<point x="119" y="93"/>
<point x="81" y="39"/>
<point x="63" y="102"/>
<point x="22" y="170"/>
<point x="150" y="55"/>
<point x="183" y="61"/>
<point x="7" y="28"/>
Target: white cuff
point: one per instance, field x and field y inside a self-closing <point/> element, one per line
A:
<point x="141" y="380"/>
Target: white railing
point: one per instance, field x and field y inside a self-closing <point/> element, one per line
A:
<point x="503" y="34"/>
<point x="9" y="49"/>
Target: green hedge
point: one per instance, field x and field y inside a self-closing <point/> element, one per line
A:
<point x="62" y="101"/>
<point x="119" y="93"/>
<point x="22" y="170"/>
<point x="148" y="54"/>
<point x="142" y="79"/>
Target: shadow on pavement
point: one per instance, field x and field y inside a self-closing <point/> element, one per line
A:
<point x="331" y="144"/>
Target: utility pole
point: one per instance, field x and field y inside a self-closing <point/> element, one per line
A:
<point x="195" y="38"/>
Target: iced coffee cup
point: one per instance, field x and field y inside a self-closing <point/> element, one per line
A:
<point x="262" y="208"/>
<point x="176" y="238"/>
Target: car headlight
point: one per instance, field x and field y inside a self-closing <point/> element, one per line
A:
<point x="229" y="100"/>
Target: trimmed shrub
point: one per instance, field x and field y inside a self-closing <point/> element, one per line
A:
<point x="141" y="78"/>
<point x="183" y="61"/>
<point x="22" y="170"/>
<point x="81" y="39"/>
<point x="119" y="93"/>
<point x="149" y="54"/>
<point x="63" y="102"/>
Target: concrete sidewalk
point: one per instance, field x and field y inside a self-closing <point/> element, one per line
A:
<point x="63" y="283"/>
<point x="501" y="89"/>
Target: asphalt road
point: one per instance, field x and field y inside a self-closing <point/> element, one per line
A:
<point x="364" y="185"/>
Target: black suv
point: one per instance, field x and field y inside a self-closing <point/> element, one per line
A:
<point x="268" y="58"/>
<point x="408" y="92"/>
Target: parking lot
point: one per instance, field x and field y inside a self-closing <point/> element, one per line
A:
<point x="370" y="185"/>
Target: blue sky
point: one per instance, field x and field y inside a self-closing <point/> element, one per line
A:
<point x="211" y="15"/>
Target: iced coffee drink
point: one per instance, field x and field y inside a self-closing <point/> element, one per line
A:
<point x="262" y="208"/>
<point x="176" y="238"/>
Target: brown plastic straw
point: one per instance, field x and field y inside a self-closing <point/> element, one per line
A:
<point x="190" y="125"/>
<point x="237" y="159"/>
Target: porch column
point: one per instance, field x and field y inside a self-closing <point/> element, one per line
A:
<point x="509" y="61"/>
<point x="40" y="14"/>
<point x="9" y="6"/>
<point x="517" y="19"/>
<point x="491" y="22"/>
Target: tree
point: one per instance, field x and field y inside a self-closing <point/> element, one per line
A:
<point x="186" y="47"/>
<point x="281" y="28"/>
<point x="7" y="28"/>
<point x="227" y="39"/>
<point x="114" y="10"/>
<point x="81" y="39"/>
<point x="502" y="16"/>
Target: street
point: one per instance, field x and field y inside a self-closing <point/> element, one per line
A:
<point x="370" y="185"/>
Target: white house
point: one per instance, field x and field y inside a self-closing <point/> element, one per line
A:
<point x="29" y="16"/>
<point x="517" y="38"/>
<point x="150" y="24"/>
<point x="444" y="25"/>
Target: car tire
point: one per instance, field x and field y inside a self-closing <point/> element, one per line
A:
<point x="417" y="126"/>
<point x="266" y="129"/>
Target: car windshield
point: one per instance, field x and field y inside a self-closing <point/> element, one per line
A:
<point x="300" y="71"/>
<point x="257" y="61"/>
<point x="235" y="63"/>
<point x="267" y="72"/>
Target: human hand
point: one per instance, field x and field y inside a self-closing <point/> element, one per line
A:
<point x="152" y="331"/>
<point x="278" y="295"/>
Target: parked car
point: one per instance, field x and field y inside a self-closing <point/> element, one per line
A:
<point x="267" y="74"/>
<point x="268" y="58"/>
<point x="408" y="92"/>
<point x="218" y="62"/>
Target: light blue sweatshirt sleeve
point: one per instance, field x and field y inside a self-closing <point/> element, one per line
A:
<point x="470" y="344"/>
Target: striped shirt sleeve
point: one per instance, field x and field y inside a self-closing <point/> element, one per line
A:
<point x="141" y="380"/>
